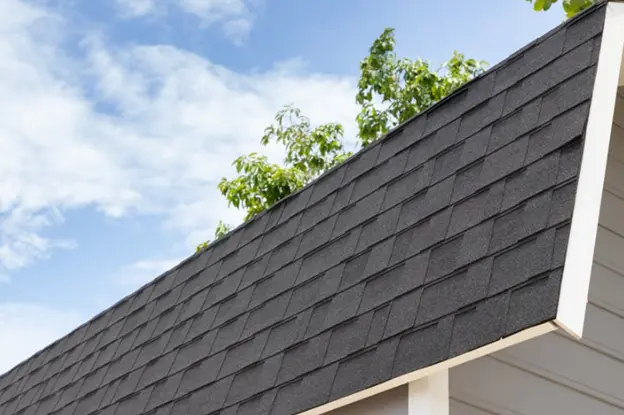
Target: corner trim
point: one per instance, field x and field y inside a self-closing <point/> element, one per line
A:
<point x="580" y="253"/>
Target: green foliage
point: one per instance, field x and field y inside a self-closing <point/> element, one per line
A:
<point x="221" y="230"/>
<point x="404" y="87"/>
<point x="571" y="7"/>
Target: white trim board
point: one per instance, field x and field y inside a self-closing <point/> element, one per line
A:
<point x="430" y="395"/>
<point x="519" y="337"/>
<point x="580" y="253"/>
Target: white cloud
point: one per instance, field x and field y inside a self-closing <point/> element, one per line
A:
<point x="234" y="15"/>
<point x="134" y="8"/>
<point x="133" y="276"/>
<point x="30" y="328"/>
<point x="130" y="130"/>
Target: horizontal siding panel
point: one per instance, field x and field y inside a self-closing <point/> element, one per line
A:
<point x="569" y="362"/>
<point x="504" y="389"/>
<point x="607" y="289"/>
<point x="611" y="210"/>
<point x="461" y="408"/>
<point x="609" y="249"/>
<point x="604" y="331"/>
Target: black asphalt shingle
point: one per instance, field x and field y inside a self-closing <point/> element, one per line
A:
<point x="445" y="235"/>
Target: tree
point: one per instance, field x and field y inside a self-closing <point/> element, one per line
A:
<point x="571" y="7"/>
<point x="405" y="87"/>
<point x="260" y="183"/>
<point x="390" y="91"/>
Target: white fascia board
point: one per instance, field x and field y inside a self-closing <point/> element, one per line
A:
<point x="430" y="371"/>
<point x="578" y="262"/>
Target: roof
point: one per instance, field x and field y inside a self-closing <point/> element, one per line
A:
<point x="442" y="237"/>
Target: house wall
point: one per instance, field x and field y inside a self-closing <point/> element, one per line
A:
<point x="392" y="402"/>
<point x="554" y="373"/>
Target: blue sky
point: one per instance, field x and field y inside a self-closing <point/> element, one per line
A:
<point x="121" y="116"/>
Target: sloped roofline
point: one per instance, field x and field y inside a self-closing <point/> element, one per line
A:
<point x="579" y="258"/>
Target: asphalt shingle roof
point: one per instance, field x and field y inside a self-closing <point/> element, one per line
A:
<point x="446" y="235"/>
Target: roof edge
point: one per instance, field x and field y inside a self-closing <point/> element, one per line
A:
<point x="519" y="337"/>
<point x="581" y="243"/>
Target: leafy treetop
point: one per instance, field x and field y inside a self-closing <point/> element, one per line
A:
<point x="570" y="7"/>
<point x="390" y="91"/>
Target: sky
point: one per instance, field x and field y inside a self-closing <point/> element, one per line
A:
<point x="119" y="117"/>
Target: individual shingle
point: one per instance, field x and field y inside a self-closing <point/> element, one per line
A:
<point x="177" y="336"/>
<point x="303" y="357"/>
<point x="480" y="116"/>
<point x="530" y="60"/>
<point x="359" y="212"/>
<point x="258" y="269"/>
<point x="193" y="351"/>
<point x="327" y="256"/>
<point x="476" y="208"/>
<point x="311" y="391"/>
<point x="250" y="381"/>
<point x="394" y="282"/>
<point x="583" y="29"/>
<point x="327" y="184"/>
<point x="122" y="366"/>
<point x="479" y="325"/>
<point x="451" y="294"/>
<point x="548" y="76"/>
<point x="403" y="313"/>
<point x="521" y="222"/>
<point x="279" y="235"/>
<point x="202" y="323"/>
<point x="267" y="314"/>
<point x="522" y="262"/>
<point x="224" y="288"/>
<point x="362" y="163"/>
<point x="316" y="213"/>
<point x="316" y="236"/>
<point x="318" y="315"/>
<point x="373" y="179"/>
<point x="570" y="161"/>
<point x="162" y="392"/>
<point x="200" y="374"/>
<point x="348" y="337"/>
<point x="568" y="95"/>
<point x="314" y="290"/>
<point x="561" y="131"/>
<point x="342" y="198"/>
<point x="233" y="306"/>
<point x="243" y="354"/>
<point x="408" y="185"/>
<point x="128" y="384"/>
<point x="229" y="333"/>
<point x="434" y="199"/>
<point x="534" y="303"/>
<point x="274" y="284"/>
<point x="504" y="161"/>
<point x="401" y="138"/>
<point x="381" y="227"/>
<point x="257" y="405"/>
<point x="156" y="369"/>
<point x="282" y="336"/>
<point x="423" y="347"/>
<point x="528" y="182"/>
<point x="344" y="305"/>
<point x="421" y="236"/>
<point x="133" y="404"/>
<point x="296" y="203"/>
<point x="514" y="125"/>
